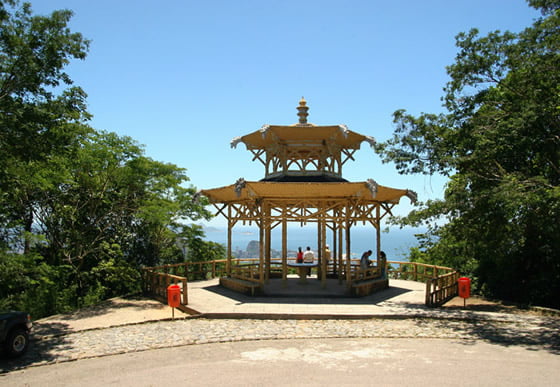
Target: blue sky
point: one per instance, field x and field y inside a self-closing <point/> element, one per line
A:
<point x="185" y="77"/>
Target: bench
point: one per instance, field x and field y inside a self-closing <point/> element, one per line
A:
<point x="366" y="287"/>
<point x="241" y="286"/>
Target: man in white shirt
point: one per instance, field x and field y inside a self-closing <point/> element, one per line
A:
<point x="308" y="257"/>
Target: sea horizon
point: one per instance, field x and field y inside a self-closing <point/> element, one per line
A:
<point x="396" y="243"/>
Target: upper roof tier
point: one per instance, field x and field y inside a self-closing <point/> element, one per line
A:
<point x="303" y="149"/>
<point x="303" y="134"/>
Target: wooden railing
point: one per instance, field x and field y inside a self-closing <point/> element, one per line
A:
<point x="156" y="284"/>
<point x="441" y="281"/>
<point x="247" y="272"/>
<point x="414" y="271"/>
<point x="441" y="289"/>
<point x="194" y="270"/>
<point x="359" y="274"/>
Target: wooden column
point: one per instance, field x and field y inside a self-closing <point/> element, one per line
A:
<point x="377" y="235"/>
<point x="381" y="262"/>
<point x="268" y="239"/>
<point x="261" y="251"/>
<point x="319" y="249"/>
<point x="284" y="251"/>
<point x="230" y="226"/>
<point x="348" y="250"/>
<point x="340" y="267"/>
<point x="323" y="232"/>
<point x="334" y="251"/>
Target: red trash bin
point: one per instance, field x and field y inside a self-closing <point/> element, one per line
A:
<point x="174" y="295"/>
<point x="464" y="287"/>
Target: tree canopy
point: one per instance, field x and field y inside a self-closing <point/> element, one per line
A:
<point x="499" y="143"/>
<point x="81" y="210"/>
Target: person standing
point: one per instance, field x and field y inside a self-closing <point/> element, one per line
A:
<point x="383" y="263"/>
<point x="327" y="254"/>
<point x="326" y="259"/>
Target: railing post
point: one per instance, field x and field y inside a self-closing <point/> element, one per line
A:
<point x="428" y="292"/>
<point x="185" y="292"/>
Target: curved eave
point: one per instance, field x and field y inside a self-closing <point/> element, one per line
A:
<point x="270" y="134"/>
<point x="302" y="191"/>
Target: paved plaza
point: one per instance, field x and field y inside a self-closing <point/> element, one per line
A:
<point x="136" y="324"/>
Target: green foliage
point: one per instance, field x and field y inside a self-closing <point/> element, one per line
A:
<point x="28" y="283"/>
<point x="112" y="277"/>
<point x="499" y="144"/>
<point x="199" y="250"/>
<point x="81" y="211"/>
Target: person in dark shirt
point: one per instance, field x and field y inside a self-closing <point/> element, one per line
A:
<point x="365" y="261"/>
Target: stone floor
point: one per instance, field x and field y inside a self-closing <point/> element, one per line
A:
<point x="123" y="325"/>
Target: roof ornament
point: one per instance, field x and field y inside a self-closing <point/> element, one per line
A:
<point x="196" y="197"/>
<point x="344" y="129"/>
<point x="370" y="140"/>
<point x="413" y="196"/>
<point x="264" y="129"/>
<point x="372" y="186"/>
<point x="239" y="185"/>
<point x="302" y="111"/>
<point x="236" y="140"/>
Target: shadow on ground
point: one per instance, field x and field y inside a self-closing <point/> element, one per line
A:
<point x="39" y="352"/>
<point x="51" y="336"/>
<point x="541" y="335"/>
<point x="313" y="299"/>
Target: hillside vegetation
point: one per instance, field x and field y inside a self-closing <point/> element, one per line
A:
<point x="498" y="142"/>
<point x="81" y="210"/>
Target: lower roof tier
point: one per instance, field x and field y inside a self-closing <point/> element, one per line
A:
<point x="368" y="191"/>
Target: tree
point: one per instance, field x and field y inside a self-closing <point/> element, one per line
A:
<point x="81" y="211"/>
<point x="199" y="250"/>
<point x="37" y="126"/>
<point x="499" y="143"/>
<point x="116" y="208"/>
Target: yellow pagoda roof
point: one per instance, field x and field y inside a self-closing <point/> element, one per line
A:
<point x="368" y="191"/>
<point x="303" y="134"/>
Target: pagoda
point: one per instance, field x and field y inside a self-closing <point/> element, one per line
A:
<point x="303" y="184"/>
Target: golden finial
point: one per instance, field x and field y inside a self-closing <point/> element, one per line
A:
<point x="302" y="111"/>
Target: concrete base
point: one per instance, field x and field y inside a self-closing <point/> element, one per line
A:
<point x="294" y="286"/>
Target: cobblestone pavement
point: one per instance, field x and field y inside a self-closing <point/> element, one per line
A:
<point x="530" y="331"/>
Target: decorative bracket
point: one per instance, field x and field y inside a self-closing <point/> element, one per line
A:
<point x="239" y="185"/>
<point x="235" y="141"/>
<point x="372" y="186"/>
<point x="413" y="196"/>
